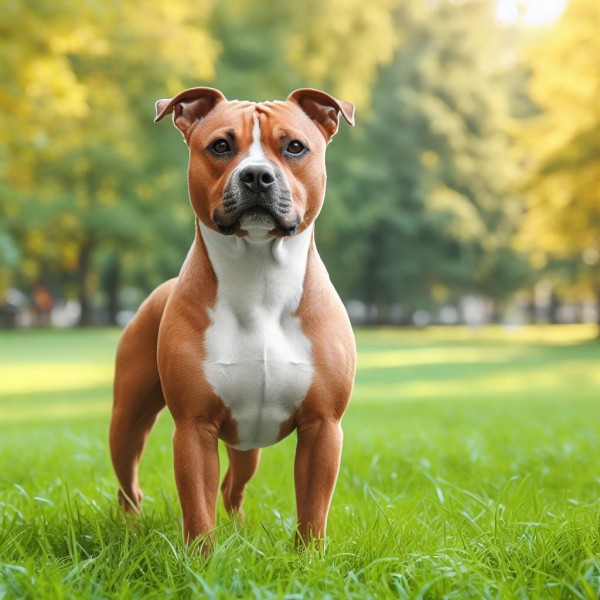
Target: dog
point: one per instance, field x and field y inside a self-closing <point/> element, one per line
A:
<point x="251" y="341"/>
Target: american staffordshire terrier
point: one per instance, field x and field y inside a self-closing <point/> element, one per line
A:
<point x="251" y="341"/>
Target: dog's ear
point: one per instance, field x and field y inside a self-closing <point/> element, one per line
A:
<point x="323" y="109"/>
<point x="188" y="106"/>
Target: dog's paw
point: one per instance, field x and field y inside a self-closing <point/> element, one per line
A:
<point x="130" y="503"/>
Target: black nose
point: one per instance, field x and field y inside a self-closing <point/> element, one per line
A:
<point x="257" y="178"/>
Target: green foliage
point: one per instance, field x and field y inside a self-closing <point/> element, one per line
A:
<point x="89" y="176"/>
<point x="466" y="474"/>
<point x="76" y="117"/>
<point x="422" y="204"/>
<point x="428" y="182"/>
<point x="561" y="144"/>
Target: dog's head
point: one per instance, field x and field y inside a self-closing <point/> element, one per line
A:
<point x="256" y="167"/>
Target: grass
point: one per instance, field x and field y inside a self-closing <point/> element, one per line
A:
<point x="470" y="470"/>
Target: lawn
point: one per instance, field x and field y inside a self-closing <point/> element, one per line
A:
<point x="470" y="470"/>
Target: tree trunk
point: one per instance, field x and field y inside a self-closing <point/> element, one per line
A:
<point x="112" y="278"/>
<point x="497" y="311"/>
<point x="554" y="309"/>
<point x="85" y="261"/>
<point x="532" y="308"/>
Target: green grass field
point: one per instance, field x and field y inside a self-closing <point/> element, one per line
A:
<point x="471" y="469"/>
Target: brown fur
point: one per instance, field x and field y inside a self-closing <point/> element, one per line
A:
<point x="161" y="352"/>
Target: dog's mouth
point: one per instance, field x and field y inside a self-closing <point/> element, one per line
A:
<point x="256" y="220"/>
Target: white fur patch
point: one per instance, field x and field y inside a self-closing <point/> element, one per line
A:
<point x="256" y="154"/>
<point x="258" y="360"/>
<point x="256" y="150"/>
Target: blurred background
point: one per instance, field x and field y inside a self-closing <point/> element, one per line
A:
<point x="469" y="192"/>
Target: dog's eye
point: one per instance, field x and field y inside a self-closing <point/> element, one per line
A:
<point x="221" y="146"/>
<point x="295" y="147"/>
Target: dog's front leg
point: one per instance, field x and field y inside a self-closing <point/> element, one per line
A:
<point x="316" y="468"/>
<point x="196" y="456"/>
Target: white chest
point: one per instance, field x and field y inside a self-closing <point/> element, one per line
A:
<point x="257" y="358"/>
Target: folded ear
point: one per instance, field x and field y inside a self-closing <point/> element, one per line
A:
<point x="188" y="106"/>
<point x="323" y="109"/>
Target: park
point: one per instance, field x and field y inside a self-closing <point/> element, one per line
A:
<point x="468" y="471"/>
<point x="460" y="228"/>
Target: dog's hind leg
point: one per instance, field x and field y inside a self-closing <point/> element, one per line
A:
<point x="138" y="396"/>
<point x="131" y="423"/>
<point x="242" y="466"/>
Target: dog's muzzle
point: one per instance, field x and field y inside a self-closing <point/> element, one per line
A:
<point x="254" y="195"/>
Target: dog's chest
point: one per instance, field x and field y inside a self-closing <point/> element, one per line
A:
<point x="257" y="358"/>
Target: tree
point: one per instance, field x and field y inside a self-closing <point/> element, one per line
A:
<point x="333" y="44"/>
<point x="432" y="212"/>
<point x="561" y="144"/>
<point x="95" y="193"/>
<point x="77" y="111"/>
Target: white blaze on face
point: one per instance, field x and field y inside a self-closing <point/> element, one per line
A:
<point x="256" y="224"/>
<point x="256" y="152"/>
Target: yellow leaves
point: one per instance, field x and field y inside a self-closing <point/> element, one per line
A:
<point x="172" y="12"/>
<point x="560" y="144"/>
<point x="52" y="87"/>
<point x="29" y="269"/>
<point x="173" y="86"/>
<point x="190" y="52"/>
<point x="464" y="220"/>
<point x="173" y="33"/>
<point x="69" y="221"/>
<point x="538" y="260"/>
<point x="35" y="241"/>
<point x="68" y="56"/>
<point x="430" y="159"/>
<point x="87" y="39"/>
<point x="563" y="216"/>
<point x="340" y="43"/>
<point x="70" y="256"/>
<point x="107" y="194"/>
<point x="566" y="60"/>
<point x="566" y="77"/>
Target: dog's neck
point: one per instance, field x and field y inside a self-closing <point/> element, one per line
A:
<point x="258" y="276"/>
